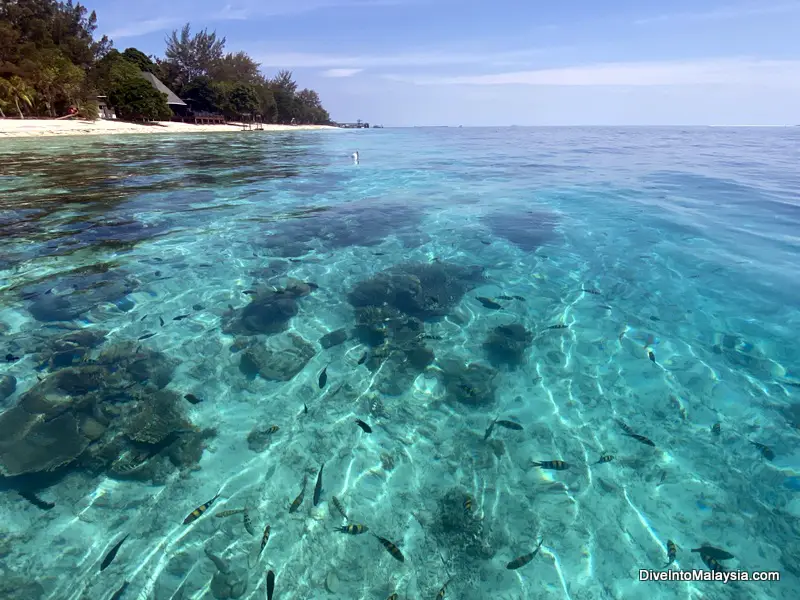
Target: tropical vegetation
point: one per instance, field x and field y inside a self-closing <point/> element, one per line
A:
<point x="50" y="61"/>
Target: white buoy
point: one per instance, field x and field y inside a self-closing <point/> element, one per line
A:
<point x="355" y="158"/>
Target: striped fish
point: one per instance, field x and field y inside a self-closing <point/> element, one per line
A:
<point x="672" y="552"/>
<point x="353" y="529"/>
<point x="198" y="512"/>
<point x="391" y="548"/>
<point x="264" y="539"/>
<point x="248" y="524"/>
<point x="555" y="465"/>
<point x="299" y="500"/>
<point x="337" y="503"/>
<point x="228" y="513"/>
<point x="523" y="560"/>
<point x="604" y="459"/>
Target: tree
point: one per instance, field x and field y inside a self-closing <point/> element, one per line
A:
<point x="140" y="59"/>
<point x="131" y="95"/>
<point x="16" y="90"/>
<point x="193" y="56"/>
<point x="237" y="68"/>
<point x="200" y="94"/>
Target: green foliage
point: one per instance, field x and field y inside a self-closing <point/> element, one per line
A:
<point x="237" y="68"/>
<point x="236" y="99"/>
<point x="140" y="59"/>
<point x="15" y="92"/>
<point x="193" y="56"/>
<point x="135" y="98"/>
<point x="201" y="95"/>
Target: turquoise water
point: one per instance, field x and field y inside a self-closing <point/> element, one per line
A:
<point x="668" y="257"/>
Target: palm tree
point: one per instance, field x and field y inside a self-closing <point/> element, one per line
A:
<point x="17" y="90"/>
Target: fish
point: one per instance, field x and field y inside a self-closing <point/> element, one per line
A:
<point x="711" y="552"/>
<point x="118" y="594"/>
<point x="555" y="465"/>
<point x="591" y="291"/>
<point x="716" y="428"/>
<point x="651" y="355"/>
<point x="625" y="427"/>
<point x="36" y="501"/>
<point x="429" y="336"/>
<point x="558" y="326"/>
<point x="364" y="426"/>
<point x="338" y="504"/>
<point x="766" y="451"/>
<point x="305" y="409"/>
<point x="270" y="584"/>
<point x="505" y="297"/>
<point x="672" y="552"/>
<point x="489" y="430"/>
<point x="662" y="478"/>
<point x="198" y="512"/>
<point x="468" y="503"/>
<point x="193" y="399"/>
<point x="353" y="529"/>
<point x="363" y="359"/>
<point x="443" y="590"/>
<point x="248" y="524"/>
<point x="712" y="563"/>
<point x="112" y="553"/>
<point x="489" y="303"/>
<point x="272" y="429"/>
<point x="604" y="459"/>
<point x="318" y="486"/>
<point x="181" y="317"/>
<point x="391" y="548"/>
<point x="264" y="539"/>
<point x="486" y="242"/>
<point x="143" y="318"/>
<point x="510" y="425"/>
<point x="228" y="513"/>
<point x="299" y="500"/>
<point x="393" y="597"/>
<point x="197" y="307"/>
<point x="323" y="377"/>
<point x="161" y="320"/>
<point x="249" y="292"/>
<point x="145" y="336"/>
<point x="11" y="358"/>
<point x="641" y="438"/>
<point x="523" y="560"/>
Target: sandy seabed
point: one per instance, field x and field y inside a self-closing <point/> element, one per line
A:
<point x="50" y="127"/>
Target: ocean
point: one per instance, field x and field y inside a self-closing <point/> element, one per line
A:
<point x="572" y="354"/>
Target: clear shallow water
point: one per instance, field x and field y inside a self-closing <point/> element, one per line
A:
<point x="683" y="243"/>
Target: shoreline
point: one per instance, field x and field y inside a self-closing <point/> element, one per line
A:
<point x="25" y="128"/>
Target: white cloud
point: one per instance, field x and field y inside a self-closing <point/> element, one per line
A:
<point x="719" y="14"/>
<point x="143" y="27"/>
<point x="413" y="59"/>
<point x="341" y="72"/>
<point x="744" y="71"/>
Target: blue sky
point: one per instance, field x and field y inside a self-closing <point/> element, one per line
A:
<point x="507" y="62"/>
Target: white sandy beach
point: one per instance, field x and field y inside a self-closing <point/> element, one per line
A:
<point x="49" y="127"/>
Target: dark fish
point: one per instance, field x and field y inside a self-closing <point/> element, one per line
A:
<point x="468" y="503"/>
<point x="318" y="486"/>
<point x="11" y="358"/>
<point x="248" y="524"/>
<point x="193" y="399"/>
<point x="555" y="465"/>
<point x="145" y="336"/>
<point x="264" y="539"/>
<point x="249" y="292"/>
<point x="712" y="552"/>
<point x="270" y="584"/>
<point x="391" y="548"/>
<point x="143" y="318"/>
<point x="118" y="594"/>
<point x="489" y="430"/>
<point x="161" y="320"/>
<point x="198" y="512"/>
<point x="228" y="513"/>
<point x="305" y="408"/>
<point x="651" y="355"/>
<point x="485" y="242"/>
<point x="509" y="425"/>
<point x="353" y="529"/>
<point x="590" y="291"/>
<point x="504" y="297"/>
<point x="379" y="253"/>
<point x="181" y="317"/>
<point x="393" y="597"/>
<point x="364" y="426"/>
<point x="489" y="303"/>
<point x="559" y="326"/>
<point x="36" y="501"/>
<point x="112" y="553"/>
<point x="272" y="429"/>
<point x="337" y="503"/>
<point x="299" y="500"/>
<point x="766" y="451"/>
<point x="672" y="552"/>
<point x="716" y="428"/>
<point x="197" y="307"/>
<point x="604" y="459"/>
<point x="323" y="378"/>
<point x="443" y="590"/>
<point x="662" y="478"/>
<point x="520" y="298"/>
<point x="523" y="560"/>
<point x="712" y="563"/>
<point x="641" y="438"/>
<point x="363" y="359"/>
<point x="429" y="336"/>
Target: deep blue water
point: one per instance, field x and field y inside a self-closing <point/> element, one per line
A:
<point x="163" y="302"/>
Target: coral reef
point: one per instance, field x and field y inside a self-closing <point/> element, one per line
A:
<point x="8" y="385"/>
<point x="506" y="345"/>
<point x="334" y="338"/>
<point x="269" y="310"/>
<point x="526" y="229"/>
<point x="472" y="384"/>
<point x="280" y="358"/>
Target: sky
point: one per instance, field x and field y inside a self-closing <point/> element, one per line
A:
<point x="506" y="62"/>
